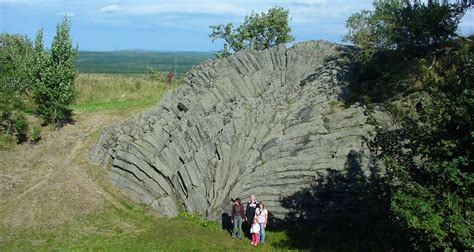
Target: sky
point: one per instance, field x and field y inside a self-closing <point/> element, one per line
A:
<point x="178" y="25"/>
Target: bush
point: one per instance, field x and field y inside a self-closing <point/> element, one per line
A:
<point x="156" y="75"/>
<point x="35" y="135"/>
<point x="21" y="126"/>
<point x="11" y="106"/>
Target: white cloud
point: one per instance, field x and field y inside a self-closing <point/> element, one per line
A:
<point x="66" y="13"/>
<point x="110" y="8"/>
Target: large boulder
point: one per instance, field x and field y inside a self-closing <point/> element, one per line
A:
<point x="268" y="123"/>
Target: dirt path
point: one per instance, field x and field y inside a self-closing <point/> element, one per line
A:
<point x="53" y="182"/>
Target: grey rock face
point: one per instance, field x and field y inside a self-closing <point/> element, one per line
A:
<point x="266" y="123"/>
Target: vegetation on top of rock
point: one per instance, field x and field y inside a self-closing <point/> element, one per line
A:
<point x="258" y="32"/>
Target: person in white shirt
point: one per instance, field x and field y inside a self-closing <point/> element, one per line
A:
<point x="261" y="215"/>
<point x="255" y="231"/>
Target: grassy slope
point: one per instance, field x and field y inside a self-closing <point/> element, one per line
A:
<point x="136" y="62"/>
<point x="51" y="197"/>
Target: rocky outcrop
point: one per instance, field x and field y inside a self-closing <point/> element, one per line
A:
<point x="268" y="123"/>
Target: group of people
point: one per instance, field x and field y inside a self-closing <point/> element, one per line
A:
<point x="254" y="218"/>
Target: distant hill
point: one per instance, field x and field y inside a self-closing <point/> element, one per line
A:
<point x="137" y="61"/>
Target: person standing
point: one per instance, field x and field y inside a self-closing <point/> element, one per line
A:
<point x="250" y="209"/>
<point x="254" y="231"/>
<point x="261" y="214"/>
<point x="236" y="218"/>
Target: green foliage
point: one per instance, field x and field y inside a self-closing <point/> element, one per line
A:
<point x="404" y="25"/>
<point x="15" y="82"/>
<point x="20" y="126"/>
<point x="54" y="88"/>
<point x="16" y="62"/>
<point x="200" y="220"/>
<point x="408" y="58"/>
<point x="11" y="106"/>
<point x="35" y="134"/>
<point x="258" y="32"/>
<point x="430" y="154"/>
<point x="156" y="75"/>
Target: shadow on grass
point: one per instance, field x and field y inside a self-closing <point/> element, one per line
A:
<point x="343" y="211"/>
<point x="226" y="223"/>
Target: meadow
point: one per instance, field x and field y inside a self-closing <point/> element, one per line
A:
<point x="115" y="91"/>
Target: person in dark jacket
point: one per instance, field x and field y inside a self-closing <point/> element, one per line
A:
<point x="250" y="209"/>
<point x="250" y="212"/>
<point x="237" y="218"/>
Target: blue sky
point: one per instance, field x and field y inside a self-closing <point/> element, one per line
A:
<point x="181" y="25"/>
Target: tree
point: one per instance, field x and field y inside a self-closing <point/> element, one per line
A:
<point x="430" y="155"/>
<point x="15" y="83"/>
<point x="258" y="32"/>
<point x="54" y="89"/>
<point x="428" y="152"/>
<point x="405" y="25"/>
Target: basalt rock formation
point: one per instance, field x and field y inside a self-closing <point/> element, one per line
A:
<point x="268" y="123"/>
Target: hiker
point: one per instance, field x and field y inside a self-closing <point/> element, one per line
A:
<point x="261" y="215"/>
<point x="237" y="217"/>
<point x="250" y="212"/>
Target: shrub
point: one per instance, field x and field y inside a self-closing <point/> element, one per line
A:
<point x="21" y="126"/>
<point x="156" y="75"/>
<point x="35" y="135"/>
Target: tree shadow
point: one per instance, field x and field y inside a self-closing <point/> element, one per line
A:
<point x="68" y="118"/>
<point x="383" y="76"/>
<point x="344" y="211"/>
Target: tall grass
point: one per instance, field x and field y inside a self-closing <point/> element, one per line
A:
<point x="109" y="91"/>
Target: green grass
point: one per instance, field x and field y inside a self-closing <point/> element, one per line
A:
<point x="130" y="227"/>
<point x="117" y="91"/>
<point x="6" y="142"/>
